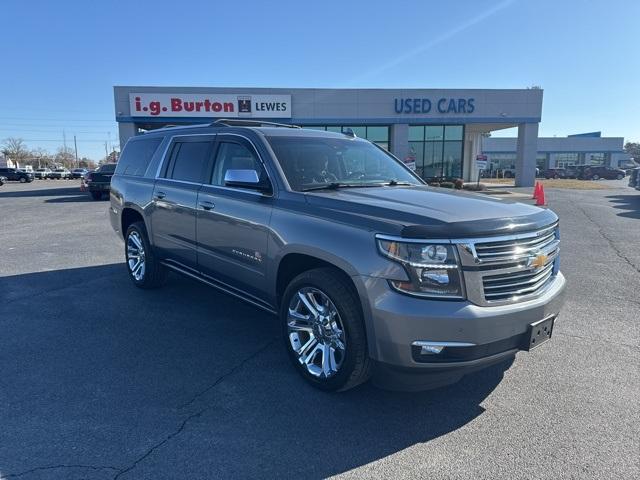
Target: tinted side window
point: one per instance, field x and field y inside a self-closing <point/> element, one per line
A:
<point x="234" y="156"/>
<point x="188" y="161"/>
<point x="106" y="168"/>
<point x="136" y="156"/>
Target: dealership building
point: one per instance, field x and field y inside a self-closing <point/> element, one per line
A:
<point x="439" y="131"/>
<point x="558" y="152"/>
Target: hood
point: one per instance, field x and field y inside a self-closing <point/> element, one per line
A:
<point x="425" y="212"/>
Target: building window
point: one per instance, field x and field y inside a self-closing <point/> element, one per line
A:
<point x="376" y="134"/>
<point x="437" y="149"/>
<point x="541" y="161"/>
<point x="597" y="158"/>
<point x="564" y="160"/>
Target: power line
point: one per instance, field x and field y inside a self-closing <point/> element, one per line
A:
<point x="100" y="130"/>
<point x="58" y="119"/>
<point x="58" y="140"/>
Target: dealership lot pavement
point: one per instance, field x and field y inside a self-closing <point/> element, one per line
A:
<point x="99" y="380"/>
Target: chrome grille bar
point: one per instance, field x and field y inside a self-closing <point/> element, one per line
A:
<point x="507" y="272"/>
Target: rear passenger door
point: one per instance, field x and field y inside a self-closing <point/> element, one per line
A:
<point x="233" y="223"/>
<point x="175" y="196"/>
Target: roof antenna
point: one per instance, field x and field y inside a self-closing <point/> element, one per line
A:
<point x="349" y="132"/>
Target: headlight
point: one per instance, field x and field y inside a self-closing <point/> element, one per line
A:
<point x="432" y="268"/>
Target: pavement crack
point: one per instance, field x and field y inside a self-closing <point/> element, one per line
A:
<point x="611" y="243"/>
<point x="197" y="414"/>
<point x="55" y="467"/>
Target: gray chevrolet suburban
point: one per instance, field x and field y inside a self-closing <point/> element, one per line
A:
<point x="370" y="271"/>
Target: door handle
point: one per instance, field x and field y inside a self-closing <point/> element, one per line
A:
<point x="160" y="195"/>
<point x="207" y="205"/>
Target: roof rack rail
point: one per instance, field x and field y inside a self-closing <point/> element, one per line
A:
<point x="239" y="122"/>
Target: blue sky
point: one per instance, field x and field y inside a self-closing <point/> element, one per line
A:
<point x="61" y="59"/>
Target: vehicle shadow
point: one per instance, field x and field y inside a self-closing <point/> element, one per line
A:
<point x="48" y="192"/>
<point x="629" y="203"/>
<point x="194" y="366"/>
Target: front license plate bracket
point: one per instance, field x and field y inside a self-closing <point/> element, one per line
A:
<point x="540" y="332"/>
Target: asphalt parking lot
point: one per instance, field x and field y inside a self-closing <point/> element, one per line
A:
<point x="99" y="380"/>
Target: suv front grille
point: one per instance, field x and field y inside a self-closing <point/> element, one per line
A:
<point x="506" y="250"/>
<point x="508" y="269"/>
<point x="510" y="285"/>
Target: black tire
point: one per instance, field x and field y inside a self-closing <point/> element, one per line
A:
<point x="595" y="177"/>
<point x="155" y="274"/>
<point x="619" y="176"/>
<point x="23" y="180"/>
<point x="556" y="176"/>
<point x="356" y="366"/>
<point x="96" y="195"/>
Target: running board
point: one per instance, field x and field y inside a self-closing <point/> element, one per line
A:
<point x="219" y="286"/>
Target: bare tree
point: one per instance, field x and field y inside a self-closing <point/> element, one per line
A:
<point x="15" y="149"/>
<point x="40" y="157"/>
<point x="65" y="157"/>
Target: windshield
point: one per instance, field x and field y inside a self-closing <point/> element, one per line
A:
<point x="314" y="162"/>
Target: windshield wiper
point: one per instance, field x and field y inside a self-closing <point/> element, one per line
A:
<point x="394" y="182"/>
<point x="337" y="185"/>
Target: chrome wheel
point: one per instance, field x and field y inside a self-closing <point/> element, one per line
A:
<point x="316" y="333"/>
<point x="135" y="255"/>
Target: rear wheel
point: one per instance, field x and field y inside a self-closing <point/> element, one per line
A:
<point x="145" y="270"/>
<point x="23" y="180"/>
<point x="96" y="195"/>
<point x="595" y="177"/>
<point x="324" y="330"/>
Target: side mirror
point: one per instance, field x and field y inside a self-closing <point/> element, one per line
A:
<point x="245" y="179"/>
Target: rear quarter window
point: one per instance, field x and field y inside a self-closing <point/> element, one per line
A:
<point x="136" y="156"/>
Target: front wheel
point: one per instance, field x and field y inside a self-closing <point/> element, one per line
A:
<point x="324" y="330"/>
<point x="619" y="176"/>
<point x="145" y="270"/>
<point x="23" y="180"/>
<point x="595" y="177"/>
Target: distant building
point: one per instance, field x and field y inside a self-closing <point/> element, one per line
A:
<point x="559" y="152"/>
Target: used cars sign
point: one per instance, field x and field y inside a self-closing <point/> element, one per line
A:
<point x="214" y="105"/>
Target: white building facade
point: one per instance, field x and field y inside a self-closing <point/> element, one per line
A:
<point x="439" y="131"/>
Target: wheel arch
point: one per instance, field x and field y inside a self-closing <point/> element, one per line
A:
<point x="295" y="262"/>
<point x="129" y="215"/>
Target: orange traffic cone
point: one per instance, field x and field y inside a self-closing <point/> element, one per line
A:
<point x="536" y="190"/>
<point x="540" y="200"/>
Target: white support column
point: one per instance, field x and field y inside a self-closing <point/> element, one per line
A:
<point x="400" y="140"/>
<point x="472" y="148"/>
<point x="126" y="131"/>
<point x="526" y="154"/>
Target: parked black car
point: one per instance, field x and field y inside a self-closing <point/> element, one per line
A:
<point x="16" y="175"/>
<point x="609" y="173"/>
<point x="98" y="182"/>
<point x="556" y="173"/>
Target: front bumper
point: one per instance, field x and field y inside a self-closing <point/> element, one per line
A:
<point x="395" y="321"/>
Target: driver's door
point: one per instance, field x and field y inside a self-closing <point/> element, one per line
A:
<point x="233" y="223"/>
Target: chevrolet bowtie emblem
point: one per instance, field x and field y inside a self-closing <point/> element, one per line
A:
<point x="538" y="261"/>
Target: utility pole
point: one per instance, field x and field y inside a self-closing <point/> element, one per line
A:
<point x="75" y="146"/>
<point x="106" y="152"/>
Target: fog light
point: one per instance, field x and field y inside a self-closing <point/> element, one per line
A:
<point x="431" y="349"/>
<point x="439" y="277"/>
